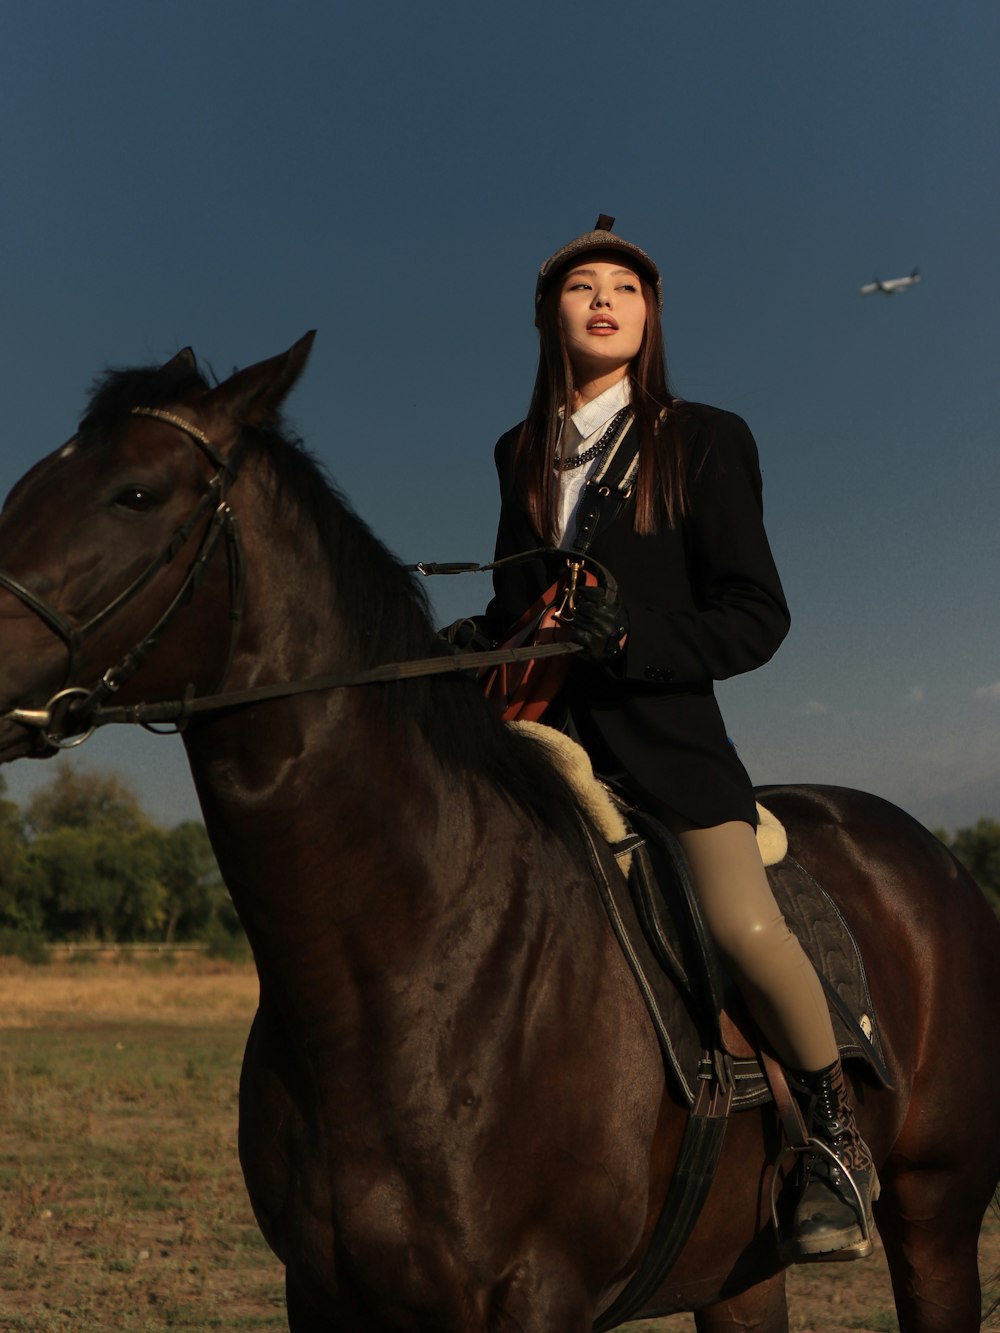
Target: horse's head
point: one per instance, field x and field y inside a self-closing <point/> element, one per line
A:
<point x="118" y="536"/>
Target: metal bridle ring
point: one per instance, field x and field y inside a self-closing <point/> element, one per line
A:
<point x="62" y="742"/>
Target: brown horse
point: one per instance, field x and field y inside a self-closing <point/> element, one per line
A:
<point x="453" y="1113"/>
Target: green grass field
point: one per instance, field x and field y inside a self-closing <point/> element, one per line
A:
<point x="121" y="1200"/>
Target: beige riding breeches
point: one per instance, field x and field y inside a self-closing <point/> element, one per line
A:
<point x="775" y="977"/>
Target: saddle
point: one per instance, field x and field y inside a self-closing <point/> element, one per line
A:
<point x="695" y="1006"/>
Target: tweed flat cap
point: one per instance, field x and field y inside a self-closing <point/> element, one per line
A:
<point x="601" y="238"/>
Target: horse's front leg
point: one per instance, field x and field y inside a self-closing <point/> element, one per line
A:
<point x="761" y="1309"/>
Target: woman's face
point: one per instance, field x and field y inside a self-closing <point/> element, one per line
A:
<point x="603" y="315"/>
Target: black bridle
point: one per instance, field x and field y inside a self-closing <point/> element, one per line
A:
<point x="75" y="711"/>
<point x="76" y="706"/>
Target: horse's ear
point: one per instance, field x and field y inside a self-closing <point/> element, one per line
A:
<point x="254" y="396"/>
<point x="185" y="359"/>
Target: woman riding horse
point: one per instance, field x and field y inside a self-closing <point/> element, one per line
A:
<point x="454" y="1111"/>
<point x="700" y="600"/>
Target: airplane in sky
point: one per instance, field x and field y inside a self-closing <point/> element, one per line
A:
<point x="891" y="285"/>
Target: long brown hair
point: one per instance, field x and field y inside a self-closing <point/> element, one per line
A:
<point x="659" y="487"/>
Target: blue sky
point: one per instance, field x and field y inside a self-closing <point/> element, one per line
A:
<point x="230" y="173"/>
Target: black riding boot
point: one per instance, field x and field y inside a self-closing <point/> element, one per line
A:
<point x="828" y="1218"/>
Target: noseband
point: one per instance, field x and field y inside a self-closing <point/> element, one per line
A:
<point x="81" y="701"/>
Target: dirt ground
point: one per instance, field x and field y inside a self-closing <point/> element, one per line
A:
<point x="121" y="1200"/>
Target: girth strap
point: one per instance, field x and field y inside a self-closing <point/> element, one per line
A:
<point x="697" y="1162"/>
<point x="701" y="1145"/>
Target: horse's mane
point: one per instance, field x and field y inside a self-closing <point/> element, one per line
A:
<point x="386" y="607"/>
<point x="114" y="393"/>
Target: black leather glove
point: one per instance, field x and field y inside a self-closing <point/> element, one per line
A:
<point x="599" y="623"/>
<point x="466" y="635"/>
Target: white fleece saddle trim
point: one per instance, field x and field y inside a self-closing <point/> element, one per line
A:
<point x="771" y="836"/>
<point x="596" y="800"/>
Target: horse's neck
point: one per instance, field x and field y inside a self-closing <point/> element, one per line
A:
<point x="337" y="830"/>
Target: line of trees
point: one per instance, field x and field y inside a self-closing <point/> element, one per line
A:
<point x="83" y="862"/>
<point x="978" y="848"/>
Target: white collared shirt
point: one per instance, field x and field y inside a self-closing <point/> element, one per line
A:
<point x="586" y="426"/>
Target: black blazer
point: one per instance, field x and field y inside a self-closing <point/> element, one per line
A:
<point x="704" y="602"/>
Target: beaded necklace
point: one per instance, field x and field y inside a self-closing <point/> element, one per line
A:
<point x="601" y="447"/>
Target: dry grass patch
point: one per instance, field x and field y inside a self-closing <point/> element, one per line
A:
<point x="162" y="990"/>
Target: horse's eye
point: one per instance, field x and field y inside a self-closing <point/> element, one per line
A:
<point x="135" y="499"/>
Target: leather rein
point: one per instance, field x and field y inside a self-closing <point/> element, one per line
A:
<point x="74" y="712"/>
